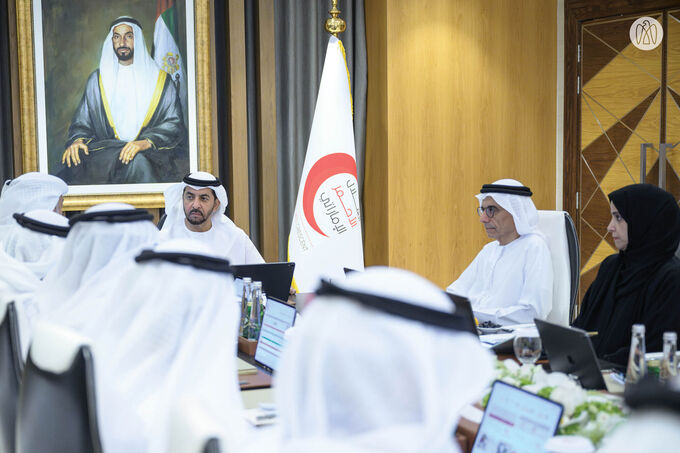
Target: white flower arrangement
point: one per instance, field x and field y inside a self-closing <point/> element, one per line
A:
<point x="590" y="414"/>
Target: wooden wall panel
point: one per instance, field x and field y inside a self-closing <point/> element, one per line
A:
<point x="14" y="82"/>
<point x="238" y="121"/>
<point x="266" y="131"/>
<point x="471" y="94"/>
<point x="375" y="195"/>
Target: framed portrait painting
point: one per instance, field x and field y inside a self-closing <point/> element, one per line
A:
<point x="113" y="93"/>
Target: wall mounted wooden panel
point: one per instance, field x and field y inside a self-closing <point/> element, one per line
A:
<point x="238" y="157"/>
<point x="375" y="196"/>
<point x="266" y="129"/>
<point x="470" y="95"/>
<point x="238" y="130"/>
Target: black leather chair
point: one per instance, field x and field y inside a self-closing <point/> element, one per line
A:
<point x="11" y="369"/>
<point x="212" y="446"/>
<point x="161" y="221"/>
<point x="57" y="410"/>
<point x="575" y="262"/>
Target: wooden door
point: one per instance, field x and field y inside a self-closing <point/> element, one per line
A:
<point x="626" y="99"/>
<point x="672" y="129"/>
<point x="620" y="108"/>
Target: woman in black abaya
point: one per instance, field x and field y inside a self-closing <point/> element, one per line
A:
<point x="640" y="284"/>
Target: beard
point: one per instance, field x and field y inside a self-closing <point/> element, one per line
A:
<point x="195" y="220"/>
<point x="123" y="57"/>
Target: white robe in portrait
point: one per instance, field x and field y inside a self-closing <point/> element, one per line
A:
<point x="224" y="239"/>
<point x="509" y="284"/>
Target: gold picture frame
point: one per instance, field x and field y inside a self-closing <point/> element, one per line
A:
<point x="204" y="83"/>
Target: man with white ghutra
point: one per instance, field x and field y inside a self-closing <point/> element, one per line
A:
<point x="395" y="381"/>
<point x="98" y="239"/>
<point x="510" y="281"/>
<point x="27" y="192"/>
<point x="28" y="250"/>
<point x="163" y="329"/>
<point x="195" y="208"/>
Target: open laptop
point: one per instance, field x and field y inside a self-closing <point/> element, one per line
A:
<point x="278" y="317"/>
<point x="570" y="351"/>
<point x="275" y="277"/>
<point x="516" y="420"/>
<point x="464" y="309"/>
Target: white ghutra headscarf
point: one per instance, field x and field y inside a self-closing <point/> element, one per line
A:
<point x="388" y="383"/>
<point x="174" y="208"/>
<point x="28" y="192"/>
<point x="520" y="207"/>
<point x="163" y="328"/>
<point x="146" y="73"/>
<point x="98" y="237"/>
<point x="36" y="240"/>
<point x="29" y="249"/>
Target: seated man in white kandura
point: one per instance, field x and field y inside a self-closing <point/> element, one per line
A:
<point x="195" y="209"/>
<point x="510" y="281"/>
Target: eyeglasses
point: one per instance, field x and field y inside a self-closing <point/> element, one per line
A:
<point x="489" y="211"/>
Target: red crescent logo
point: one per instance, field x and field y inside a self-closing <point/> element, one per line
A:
<point x="324" y="168"/>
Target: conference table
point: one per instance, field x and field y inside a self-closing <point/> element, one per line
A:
<point x="256" y="384"/>
<point x="256" y="389"/>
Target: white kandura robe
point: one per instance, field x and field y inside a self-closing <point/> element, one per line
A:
<point x="509" y="284"/>
<point x="17" y="284"/>
<point x="224" y="239"/>
<point x="160" y="331"/>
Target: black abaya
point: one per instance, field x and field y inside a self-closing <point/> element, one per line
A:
<point x="640" y="285"/>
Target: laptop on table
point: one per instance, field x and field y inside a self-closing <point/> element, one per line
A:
<point x="464" y="310"/>
<point x="278" y="317"/>
<point x="468" y="324"/>
<point x="275" y="277"/>
<point x="516" y="420"/>
<point x="570" y="351"/>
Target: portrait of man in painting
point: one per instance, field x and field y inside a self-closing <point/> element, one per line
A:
<point x="115" y="91"/>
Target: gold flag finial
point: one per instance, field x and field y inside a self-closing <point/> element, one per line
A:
<point x="335" y="25"/>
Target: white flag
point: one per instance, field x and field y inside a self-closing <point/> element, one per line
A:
<point x="325" y="236"/>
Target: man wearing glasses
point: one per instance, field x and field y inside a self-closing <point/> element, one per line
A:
<point x="510" y="281"/>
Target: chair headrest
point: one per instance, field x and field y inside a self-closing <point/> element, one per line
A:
<point x="4" y="308"/>
<point x="55" y="347"/>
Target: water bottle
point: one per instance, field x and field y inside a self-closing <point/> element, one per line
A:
<point x="263" y="305"/>
<point x="637" y="365"/>
<point x="253" y="327"/>
<point x="669" y="365"/>
<point x="247" y="289"/>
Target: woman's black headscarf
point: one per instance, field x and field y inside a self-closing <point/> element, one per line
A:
<point x="639" y="284"/>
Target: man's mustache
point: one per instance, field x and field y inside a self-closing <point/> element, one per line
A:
<point x="123" y="48"/>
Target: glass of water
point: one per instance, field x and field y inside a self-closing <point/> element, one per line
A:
<point x="527" y="346"/>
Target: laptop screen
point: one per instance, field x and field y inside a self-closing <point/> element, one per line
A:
<point x="275" y="277"/>
<point x="570" y="351"/>
<point x="464" y="309"/>
<point x="278" y="317"/>
<point x="516" y="421"/>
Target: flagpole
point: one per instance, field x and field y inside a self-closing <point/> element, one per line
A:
<point x="335" y="25"/>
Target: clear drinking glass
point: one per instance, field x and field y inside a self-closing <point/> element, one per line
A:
<point x="527" y="346"/>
